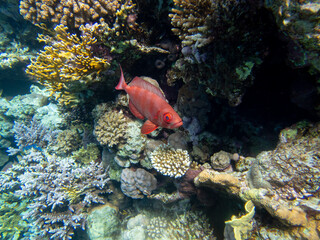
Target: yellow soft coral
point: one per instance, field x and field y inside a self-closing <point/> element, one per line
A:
<point x="66" y="61"/>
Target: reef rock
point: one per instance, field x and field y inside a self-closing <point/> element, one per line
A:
<point x="285" y="182"/>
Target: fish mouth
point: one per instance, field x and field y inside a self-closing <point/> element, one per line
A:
<point x="176" y="125"/>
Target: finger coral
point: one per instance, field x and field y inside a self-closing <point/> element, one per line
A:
<point x="111" y="128"/>
<point x="71" y="13"/>
<point x="190" y="21"/>
<point x="65" y="62"/>
<point x="170" y="162"/>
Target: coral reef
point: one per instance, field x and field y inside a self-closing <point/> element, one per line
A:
<point x="103" y="222"/>
<point x="33" y="135"/>
<point x="170" y="162"/>
<point x="12" y="226"/>
<point x="66" y="142"/>
<point x="131" y="151"/>
<point x="14" y="54"/>
<point x="190" y="225"/>
<point x="66" y="62"/>
<point x="111" y="128"/>
<point x="284" y="181"/>
<point x="87" y="154"/>
<point x="60" y="191"/>
<point x="299" y="20"/>
<point x="191" y="19"/>
<point x="71" y="13"/>
<point x="137" y="183"/>
<point x="241" y="226"/>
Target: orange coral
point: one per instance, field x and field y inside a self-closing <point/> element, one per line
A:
<point x="66" y="61"/>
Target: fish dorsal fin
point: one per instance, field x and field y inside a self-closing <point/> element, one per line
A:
<point x="148" y="84"/>
<point x="148" y="127"/>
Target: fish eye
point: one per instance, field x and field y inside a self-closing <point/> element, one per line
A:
<point x="167" y="117"/>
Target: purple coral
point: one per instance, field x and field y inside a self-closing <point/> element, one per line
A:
<point x="30" y="135"/>
<point x="61" y="192"/>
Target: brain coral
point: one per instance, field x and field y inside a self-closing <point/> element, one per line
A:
<point x="111" y="128"/>
<point x="72" y="13"/>
<point x="170" y="162"/>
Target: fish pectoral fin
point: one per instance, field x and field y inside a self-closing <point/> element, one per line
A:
<point x="135" y="111"/>
<point x="148" y="127"/>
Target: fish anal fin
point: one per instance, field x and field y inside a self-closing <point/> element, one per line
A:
<point x="141" y="83"/>
<point x="135" y="111"/>
<point x="148" y="127"/>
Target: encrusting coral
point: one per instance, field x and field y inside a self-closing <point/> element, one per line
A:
<point x="111" y="128"/>
<point x="170" y="162"/>
<point x="71" y="13"/>
<point x="65" y="63"/>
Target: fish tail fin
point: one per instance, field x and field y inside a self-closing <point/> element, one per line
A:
<point x="122" y="83"/>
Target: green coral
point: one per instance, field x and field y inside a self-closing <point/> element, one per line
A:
<point x="86" y="155"/>
<point x="12" y="226"/>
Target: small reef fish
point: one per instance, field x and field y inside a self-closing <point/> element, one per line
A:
<point x="148" y="101"/>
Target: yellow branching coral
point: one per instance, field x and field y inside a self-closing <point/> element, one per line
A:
<point x="170" y="162"/>
<point x="69" y="12"/>
<point x="190" y="20"/>
<point x="111" y="128"/>
<point x="65" y="61"/>
<point x="242" y="226"/>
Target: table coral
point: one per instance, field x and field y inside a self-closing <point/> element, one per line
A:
<point x="71" y="13"/>
<point x="111" y="128"/>
<point x="170" y="162"/>
<point x="66" y="62"/>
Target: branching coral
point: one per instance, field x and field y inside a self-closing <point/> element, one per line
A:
<point x="190" y="21"/>
<point x="62" y="192"/>
<point x="170" y="162"/>
<point x="65" y="62"/>
<point x="111" y="128"/>
<point x="72" y="13"/>
<point x="33" y="135"/>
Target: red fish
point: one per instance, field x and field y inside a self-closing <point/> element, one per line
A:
<point x="148" y="101"/>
